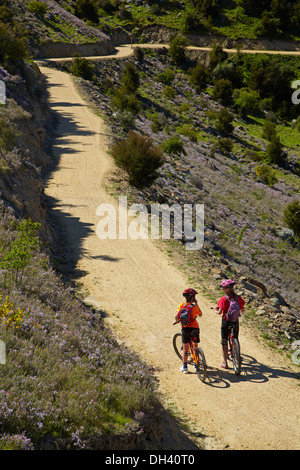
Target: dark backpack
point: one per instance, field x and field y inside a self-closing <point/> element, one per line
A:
<point x="234" y="309"/>
<point x="185" y="314"/>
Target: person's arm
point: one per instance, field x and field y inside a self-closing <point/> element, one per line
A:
<point x="177" y="317"/>
<point x="199" y="311"/>
<point x="242" y="303"/>
<point x="218" y="310"/>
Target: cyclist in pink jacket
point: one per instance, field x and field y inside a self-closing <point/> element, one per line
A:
<point x="223" y="309"/>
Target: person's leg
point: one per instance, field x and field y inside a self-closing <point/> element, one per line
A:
<point x="185" y="348"/>
<point x="224" y="343"/>
<point x="225" y="355"/>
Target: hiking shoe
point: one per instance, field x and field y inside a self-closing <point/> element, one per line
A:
<point x="184" y="370"/>
<point x="195" y="367"/>
<point x="224" y="365"/>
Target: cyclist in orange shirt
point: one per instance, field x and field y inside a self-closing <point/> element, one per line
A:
<point x="191" y="329"/>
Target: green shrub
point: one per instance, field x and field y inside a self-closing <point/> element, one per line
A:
<point x="12" y="45"/>
<point x="177" y="49"/>
<point x="166" y="77"/>
<point x="217" y="55"/>
<point x="157" y="121"/>
<point x="269" y="130"/>
<point x="125" y="119"/>
<point x="123" y="100"/>
<point x="222" y="91"/>
<point x="198" y="77"/>
<point x="83" y="68"/>
<point x="38" y="8"/>
<point x="292" y="217"/>
<point x="266" y="174"/>
<point x="7" y="135"/>
<point x="138" y="54"/>
<point x="188" y="131"/>
<point x="22" y="248"/>
<point x="247" y="101"/>
<point x="174" y="145"/>
<point x="225" y="144"/>
<point x="274" y="153"/>
<point x="223" y="121"/>
<point x="86" y="9"/>
<point x="138" y="157"/>
<point x="169" y="92"/>
<point x="130" y="78"/>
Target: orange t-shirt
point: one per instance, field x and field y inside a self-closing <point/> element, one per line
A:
<point x="195" y="311"/>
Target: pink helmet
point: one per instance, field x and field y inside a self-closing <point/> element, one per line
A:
<point x="227" y="283"/>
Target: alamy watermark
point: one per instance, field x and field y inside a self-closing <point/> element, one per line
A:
<point x="181" y="222"/>
<point x="2" y="352"/>
<point x="296" y="94"/>
<point x="2" y="92"/>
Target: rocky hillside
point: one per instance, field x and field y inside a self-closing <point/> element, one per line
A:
<point x="53" y="31"/>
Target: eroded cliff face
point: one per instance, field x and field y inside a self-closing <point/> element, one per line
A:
<point x="26" y="154"/>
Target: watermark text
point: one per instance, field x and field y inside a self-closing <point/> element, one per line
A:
<point x="2" y="92"/>
<point x="180" y="222"/>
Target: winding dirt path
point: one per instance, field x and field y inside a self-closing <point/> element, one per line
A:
<point x="126" y="50"/>
<point x="139" y="288"/>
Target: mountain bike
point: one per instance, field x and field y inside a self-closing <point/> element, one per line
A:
<point x="195" y="355"/>
<point x="234" y="349"/>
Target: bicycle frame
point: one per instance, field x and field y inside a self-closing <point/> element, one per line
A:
<point x="195" y="355"/>
<point x="192" y="349"/>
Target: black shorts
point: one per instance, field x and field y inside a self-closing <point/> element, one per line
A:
<point x="225" y="329"/>
<point x="190" y="333"/>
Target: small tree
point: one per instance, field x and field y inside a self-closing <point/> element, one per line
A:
<point x="274" y="153"/>
<point x="292" y="217"/>
<point x="83" y="68"/>
<point x="266" y="174"/>
<point x="223" y="122"/>
<point x="178" y="49"/>
<point x="130" y="78"/>
<point x="222" y="91"/>
<point x="198" y="77"/>
<point x="86" y="9"/>
<point x="269" y="130"/>
<point x="247" y="101"/>
<point x="138" y="54"/>
<point x="217" y="55"/>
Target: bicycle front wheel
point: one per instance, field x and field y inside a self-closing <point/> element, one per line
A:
<point x="236" y="357"/>
<point x="177" y="344"/>
<point x="201" y="364"/>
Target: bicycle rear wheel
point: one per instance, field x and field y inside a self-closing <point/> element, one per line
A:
<point x="236" y="357"/>
<point x="177" y="345"/>
<point x="201" y="364"/>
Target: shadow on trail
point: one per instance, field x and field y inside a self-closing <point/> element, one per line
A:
<point x="69" y="232"/>
<point x="252" y="371"/>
